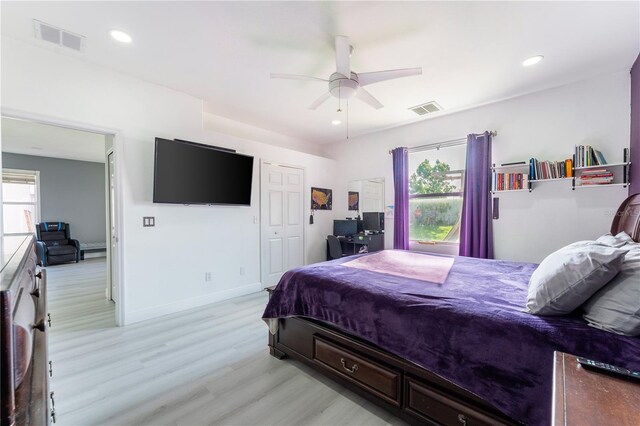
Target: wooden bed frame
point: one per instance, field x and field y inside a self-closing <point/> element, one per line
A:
<point x="402" y="387"/>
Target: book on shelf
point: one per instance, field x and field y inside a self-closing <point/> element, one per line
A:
<point x="587" y="156"/>
<point x="595" y="177"/>
<point x="544" y="170"/>
<point x="510" y="181"/>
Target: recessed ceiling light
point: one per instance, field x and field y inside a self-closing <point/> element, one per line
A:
<point x="532" y="60"/>
<point x="336" y="122"/>
<point x="121" y="36"/>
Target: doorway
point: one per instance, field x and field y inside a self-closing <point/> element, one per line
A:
<point x="49" y="141"/>
<point x="282" y="224"/>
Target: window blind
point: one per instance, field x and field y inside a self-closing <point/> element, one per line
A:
<point x="28" y="178"/>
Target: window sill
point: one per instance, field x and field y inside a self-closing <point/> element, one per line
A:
<point x="434" y="243"/>
<point x="440" y="247"/>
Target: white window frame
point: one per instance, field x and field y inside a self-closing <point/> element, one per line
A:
<point x="20" y="203"/>
<point x="447" y="247"/>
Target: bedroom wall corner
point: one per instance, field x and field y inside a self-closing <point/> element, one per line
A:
<point x="634" y="188"/>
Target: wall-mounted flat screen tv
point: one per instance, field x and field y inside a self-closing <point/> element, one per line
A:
<point x="193" y="173"/>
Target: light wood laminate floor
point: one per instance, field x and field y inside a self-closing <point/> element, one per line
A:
<point x="209" y="365"/>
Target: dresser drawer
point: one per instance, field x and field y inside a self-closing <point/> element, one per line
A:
<point x="367" y="373"/>
<point x="432" y="405"/>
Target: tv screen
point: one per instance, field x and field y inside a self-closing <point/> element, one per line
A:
<point x="192" y="173"/>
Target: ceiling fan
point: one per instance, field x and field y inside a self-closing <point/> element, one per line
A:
<point x="344" y="83"/>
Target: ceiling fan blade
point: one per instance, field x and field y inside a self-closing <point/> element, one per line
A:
<point x="367" y="78"/>
<point x="368" y="98"/>
<point x="343" y="56"/>
<point x="322" y="99"/>
<point x="297" y="77"/>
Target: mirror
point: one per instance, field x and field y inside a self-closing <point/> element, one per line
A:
<point x="365" y="195"/>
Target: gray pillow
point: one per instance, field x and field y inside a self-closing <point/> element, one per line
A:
<point x="618" y="240"/>
<point x="616" y="307"/>
<point x="568" y="277"/>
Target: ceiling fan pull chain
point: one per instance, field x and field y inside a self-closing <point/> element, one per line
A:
<point x="339" y="96"/>
<point x="347" y="119"/>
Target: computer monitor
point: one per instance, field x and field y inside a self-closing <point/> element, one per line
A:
<point x="345" y="228"/>
<point x="359" y="223"/>
<point x="373" y="221"/>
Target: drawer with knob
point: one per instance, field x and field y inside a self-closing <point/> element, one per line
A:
<point x="377" y="378"/>
<point x="424" y="402"/>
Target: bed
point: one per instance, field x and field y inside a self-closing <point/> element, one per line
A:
<point x="456" y="348"/>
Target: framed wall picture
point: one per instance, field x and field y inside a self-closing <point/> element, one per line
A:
<point x="354" y="200"/>
<point x="321" y="198"/>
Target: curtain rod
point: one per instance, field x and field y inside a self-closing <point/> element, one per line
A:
<point x="444" y="144"/>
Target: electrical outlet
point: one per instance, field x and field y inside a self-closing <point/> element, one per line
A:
<point x="207" y="277"/>
<point x="242" y="270"/>
<point x="148" y="221"/>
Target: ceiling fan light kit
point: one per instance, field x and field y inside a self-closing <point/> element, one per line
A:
<point x="344" y="83"/>
<point x="342" y="87"/>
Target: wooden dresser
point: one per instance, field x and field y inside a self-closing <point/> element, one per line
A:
<point x="24" y="363"/>
<point x="583" y="397"/>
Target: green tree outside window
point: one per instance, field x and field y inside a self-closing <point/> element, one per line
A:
<point x="434" y="218"/>
<point x="431" y="179"/>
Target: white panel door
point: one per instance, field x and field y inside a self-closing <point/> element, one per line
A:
<point x="371" y="197"/>
<point x="282" y="228"/>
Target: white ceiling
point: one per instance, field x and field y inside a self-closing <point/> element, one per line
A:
<point x="43" y="140"/>
<point x="223" y="52"/>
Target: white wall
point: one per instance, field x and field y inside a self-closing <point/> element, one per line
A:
<point x="545" y="125"/>
<point x="164" y="266"/>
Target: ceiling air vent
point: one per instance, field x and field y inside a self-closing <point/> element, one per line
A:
<point x="427" y="108"/>
<point x="58" y="36"/>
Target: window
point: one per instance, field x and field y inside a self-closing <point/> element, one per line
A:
<point x="436" y="177"/>
<point x="20" y="203"/>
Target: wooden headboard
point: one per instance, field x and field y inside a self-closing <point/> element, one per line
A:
<point x="627" y="218"/>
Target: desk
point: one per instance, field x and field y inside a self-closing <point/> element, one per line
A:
<point x="583" y="397"/>
<point x="352" y="245"/>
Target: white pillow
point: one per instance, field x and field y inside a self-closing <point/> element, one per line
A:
<point x="568" y="277"/>
<point x="618" y="240"/>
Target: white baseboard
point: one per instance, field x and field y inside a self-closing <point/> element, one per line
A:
<point x="95" y="255"/>
<point x="186" y="304"/>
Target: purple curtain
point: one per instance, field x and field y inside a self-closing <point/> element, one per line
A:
<point x="401" y="198"/>
<point x="476" y="234"/>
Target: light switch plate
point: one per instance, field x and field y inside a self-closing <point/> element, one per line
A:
<point x="148" y="221"/>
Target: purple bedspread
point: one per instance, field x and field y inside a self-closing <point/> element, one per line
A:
<point x="471" y="330"/>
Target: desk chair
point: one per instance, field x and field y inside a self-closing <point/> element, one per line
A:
<point x="335" y="248"/>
